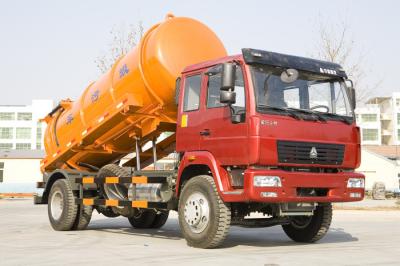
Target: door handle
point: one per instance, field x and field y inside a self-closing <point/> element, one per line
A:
<point x="205" y="132"/>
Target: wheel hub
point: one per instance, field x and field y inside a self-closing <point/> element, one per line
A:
<point x="57" y="205"/>
<point x="197" y="212"/>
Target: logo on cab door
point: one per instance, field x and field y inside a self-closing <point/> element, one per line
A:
<point x="269" y="122"/>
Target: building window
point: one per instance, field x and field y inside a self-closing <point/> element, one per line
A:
<point x="398" y="134"/>
<point x="23" y="133"/>
<point x="397" y="102"/>
<point x="398" y="119"/>
<point x="23" y="146"/>
<point x="7" y="116"/>
<point x="6" y="132"/>
<point x="6" y="146"/>
<point x="39" y="136"/>
<point x="370" y="134"/>
<point x="369" y="117"/>
<point x="24" y="116"/>
<point x="1" y="171"/>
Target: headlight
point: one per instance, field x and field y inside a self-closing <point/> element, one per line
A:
<point x="267" y="181"/>
<point x="355" y="183"/>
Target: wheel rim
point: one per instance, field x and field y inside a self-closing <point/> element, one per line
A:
<point x="57" y="205"/>
<point x="197" y="212"/>
<point x="301" y="222"/>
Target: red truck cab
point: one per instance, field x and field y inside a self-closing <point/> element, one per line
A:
<point x="288" y="137"/>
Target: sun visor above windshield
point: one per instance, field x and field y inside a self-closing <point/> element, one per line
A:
<point x="253" y="56"/>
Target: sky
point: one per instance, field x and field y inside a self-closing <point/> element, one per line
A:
<point x="48" y="48"/>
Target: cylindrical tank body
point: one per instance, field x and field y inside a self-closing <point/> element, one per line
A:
<point x="129" y="101"/>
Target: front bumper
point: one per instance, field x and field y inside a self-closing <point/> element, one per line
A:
<point x="334" y="184"/>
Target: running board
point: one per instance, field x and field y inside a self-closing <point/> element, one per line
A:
<point x="122" y="203"/>
<point x="121" y="180"/>
<point x="260" y="222"/>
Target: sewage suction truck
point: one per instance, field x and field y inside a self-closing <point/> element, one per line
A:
<point x="258" y="132"/>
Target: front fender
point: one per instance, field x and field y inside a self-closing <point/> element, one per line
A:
<point x="205" y="158"/>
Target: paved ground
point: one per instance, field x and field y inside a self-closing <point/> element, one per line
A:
<point x="370" y="203"/>
<point x="355" y="238"/>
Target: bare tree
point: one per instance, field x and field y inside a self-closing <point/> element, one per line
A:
<point x="123" y="40"/>
<point x="335" y="43"/>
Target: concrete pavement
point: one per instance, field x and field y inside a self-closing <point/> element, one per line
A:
<point x="355" y="238"/>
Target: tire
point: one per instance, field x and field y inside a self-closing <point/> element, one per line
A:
<point x="61" y="207"/>
<point x="107" y="212"/>
<point x="142" y="219"/>
<point x="115" y="170"/>
<point x="160" y="219"/>
<point x="83" y="218"/>
<point x="112" y="170"/>
<point x="312" y="229"/>
<point x="199" y="198"/>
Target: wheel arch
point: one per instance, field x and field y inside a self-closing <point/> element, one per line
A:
<point x="201" y="163"/>
<point x="52" y="178"/>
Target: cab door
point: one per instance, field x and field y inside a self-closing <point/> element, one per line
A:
<point x="189" y="114"/>
<point x="228" y="142"/>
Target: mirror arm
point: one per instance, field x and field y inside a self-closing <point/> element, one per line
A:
<point x="352" y="93"/>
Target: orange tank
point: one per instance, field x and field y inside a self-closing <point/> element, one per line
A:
<point x="134" y="100"/>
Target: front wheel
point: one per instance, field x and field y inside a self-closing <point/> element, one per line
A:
<point x="309" y="229"/>
<point x="203" y="217"/>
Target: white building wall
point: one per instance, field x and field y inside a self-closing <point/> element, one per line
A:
<point x="20" y="175"/>
<point x="396" y="117"/>
<point x="370" y="109"/>
<point x="377" y="168"/>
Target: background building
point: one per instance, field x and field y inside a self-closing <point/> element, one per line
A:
<point x="20" y="128"/>
<point x="379" y="165"/>
<point x="21" y="145"/>
<point x="20" y="170"/>
<point x="379" y="120"/>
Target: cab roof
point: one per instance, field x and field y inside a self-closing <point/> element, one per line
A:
<point x="261" y="57"/>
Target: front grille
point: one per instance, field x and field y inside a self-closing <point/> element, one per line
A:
<point x="310" y="153"/>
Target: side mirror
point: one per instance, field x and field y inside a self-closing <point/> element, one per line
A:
<point x="352" y="92"/>
<point x="228" y="76"/>
<point x="227" y="94"/>
<point x="228" y="97"/>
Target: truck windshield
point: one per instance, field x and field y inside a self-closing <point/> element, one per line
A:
<point x="311" y="93"/>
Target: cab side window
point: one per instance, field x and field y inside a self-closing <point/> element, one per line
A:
<point x="214" y="85"/>
<point x="191" y="100"/>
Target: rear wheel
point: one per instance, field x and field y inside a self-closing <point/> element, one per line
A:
<point x="114" y="191"/>
<point x="61" y="207"/>
<point x="107" y="211"/>
<point x="83" y="217"/>
<point x="160" y="219"/>
<point x="142" y="219"/>
<point x="310" y="228"/>
<point x="203" y="217"/>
